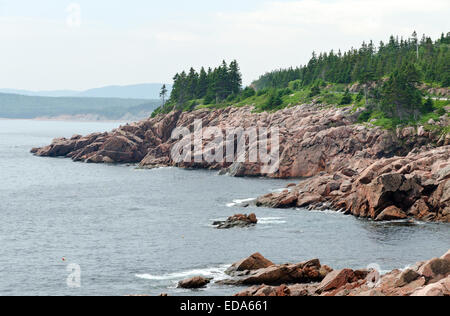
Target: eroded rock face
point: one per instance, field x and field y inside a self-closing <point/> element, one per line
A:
<point x="416" y="186"/>
<point x="429" y="278"/>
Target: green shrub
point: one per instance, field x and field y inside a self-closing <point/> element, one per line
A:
<point x="295" y="85"/>
<point x="210" y="98"/>
<point x="285" y="91"/>
<point x="274" y="100"/>
<point x="315" y="90"/>
<point x="346" y="98"/>
<point x="359" y="97"/>
<point x="262" y="92"/>
<point x="364" y="116"/>
<point x="248" y="92"/>
<point x="428" y="105"/>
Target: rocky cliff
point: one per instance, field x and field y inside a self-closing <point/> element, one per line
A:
<point x="361" y="169"/>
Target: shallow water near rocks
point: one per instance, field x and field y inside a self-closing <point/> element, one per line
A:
<point x="141" y="231"/>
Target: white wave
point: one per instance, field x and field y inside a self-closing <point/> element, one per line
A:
<point x="281" y="190"/>
<point x="327" y="211"/>
<point x="271" y="220"/>
<point x="240" y="202"/>
<point x="218" y="273"/>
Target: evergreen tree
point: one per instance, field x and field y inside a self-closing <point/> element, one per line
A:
<point x="163" y="94"/>
<point x="400" y="97"/>
<point x="202" y="87"/>
<point x="191" y="84"/>
<point x="346" y="98"/>
<point x="274" y="100"/>
<point x="428" y="105"/>
<point x="315" y="90"/>
<point x="369" y="63"/>
<point x="235" y="78"/>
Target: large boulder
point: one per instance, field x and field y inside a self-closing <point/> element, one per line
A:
<point x="254" y="262"/>
<point x="435" y="269"/>
<point x="391" y="213"/>
<point x="308" y="199"/>
<point x="446" y="256"/>
<point x="337" y="279"/>
<point x="407" y="277"/>
<point x="441" y="288"/>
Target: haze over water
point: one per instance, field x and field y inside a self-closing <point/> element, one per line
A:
<point x="141" y="231"/>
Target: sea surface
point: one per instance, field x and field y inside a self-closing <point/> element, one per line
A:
<point x="134" y="231"/>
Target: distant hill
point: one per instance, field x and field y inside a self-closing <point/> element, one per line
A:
<point x="140" y="91"/>
<point x="56" y="93"/>
<point x="28" y="107"/>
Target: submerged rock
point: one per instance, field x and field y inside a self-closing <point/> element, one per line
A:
<point x="194" y="283"/>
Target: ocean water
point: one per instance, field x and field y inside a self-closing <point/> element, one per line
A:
<point x="136" y="231"/>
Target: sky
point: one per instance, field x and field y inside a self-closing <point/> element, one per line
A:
<point x="83" y="44"/>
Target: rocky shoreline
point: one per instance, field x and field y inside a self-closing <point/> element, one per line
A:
<point x="416" y="186"/>
<point x="310" y="278"/>
<point x="359" y="169"/>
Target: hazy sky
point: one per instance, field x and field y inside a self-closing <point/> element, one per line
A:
<point x="59" y="44"/>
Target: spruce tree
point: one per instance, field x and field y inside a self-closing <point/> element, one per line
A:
<point x="202" y="87"/>
<point x="163" y="94"/>
<point x="400" y="97"/>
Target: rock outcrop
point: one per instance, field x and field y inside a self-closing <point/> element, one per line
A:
<point x="238" y="220"/>
<point x="415" y="186"/>
<point x="430" y="278"/>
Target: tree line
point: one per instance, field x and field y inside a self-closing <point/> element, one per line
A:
<point x="369" y="63"/>
<point x="397" y="67"/>
<point x="213" y="85"/>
